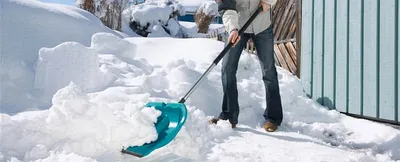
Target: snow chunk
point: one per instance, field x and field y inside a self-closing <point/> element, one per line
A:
<point x="70" y="61"/>
<point x="107" y="43"/>
<point x="151" y="113"/>
<point x="174" y="27"/>
<point x="158" y="31"/>
<point x="209" y="8"/>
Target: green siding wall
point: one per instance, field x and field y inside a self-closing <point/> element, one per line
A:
<point x="306" y="39"/>
<point x="341" y="55"/>
<point x="370" y="61"/>
<point x="349" y="55"/>
<point x="398" y="61"/>
<point x="328" y="67"/>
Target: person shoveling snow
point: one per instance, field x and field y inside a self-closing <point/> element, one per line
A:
<point x="174" y="114"/>
<point x="262" y="35"/>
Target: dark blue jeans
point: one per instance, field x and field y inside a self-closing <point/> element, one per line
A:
<point x="264" y="44"/>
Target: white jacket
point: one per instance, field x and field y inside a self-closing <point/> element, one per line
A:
<point x="235" y="13"/>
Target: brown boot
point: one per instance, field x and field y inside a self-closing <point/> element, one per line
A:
<point x="270" y="127"/>
<point x="215" y="121"/>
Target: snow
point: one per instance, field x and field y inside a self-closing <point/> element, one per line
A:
<point x="158" y="31"/>
<point x="157" y="18"/>
<point x="155" y="12"/>
<point x="53" y="74"/>
<point x="106" y="43"/>
<point x="26" y="26"/>
<point x="209" y="8"/>
<point x="173" y="26"/>
<point x="97" y="88"/>
<point x="151" y="13"/>
<point x="77" y="123"/>
<point x="192" y="5"/>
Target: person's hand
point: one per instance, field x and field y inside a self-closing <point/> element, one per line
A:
<point x="234" y="37"/>
<point x="265" y="6"/>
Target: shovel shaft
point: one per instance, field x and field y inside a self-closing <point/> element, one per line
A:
<point x="220" y="56"/>
<point x="197" y="83"/>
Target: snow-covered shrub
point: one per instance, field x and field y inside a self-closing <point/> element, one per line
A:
<point x="205" y="15"/>
<point x="156" y="18"/>
<point x="109" y="11"/>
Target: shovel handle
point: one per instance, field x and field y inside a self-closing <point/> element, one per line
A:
<point x="241" y="31"/>
<point x="222" y="54"/>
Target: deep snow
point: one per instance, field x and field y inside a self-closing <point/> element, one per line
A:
<point x="100" y="87"/>
<point x="26" y="26"/>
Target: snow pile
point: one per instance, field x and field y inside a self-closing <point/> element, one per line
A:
<point x="71" y="61"/>
<point x="92" y="123"/>
<point x="78" y="124"/>
<point x="105" y="120"/>
<point x="58" y="66"/>
<point x="155" y="18"/>
<point x="107" y="43"/>
<point x="26" y="26"/>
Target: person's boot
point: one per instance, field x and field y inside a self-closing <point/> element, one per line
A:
<point x="215" y="121"/>
<point x="270" y="127"/>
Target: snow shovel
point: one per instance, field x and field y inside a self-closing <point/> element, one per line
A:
<point x="173" y="115"/>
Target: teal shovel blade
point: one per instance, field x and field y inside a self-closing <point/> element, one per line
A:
<point x="169" y="123"/>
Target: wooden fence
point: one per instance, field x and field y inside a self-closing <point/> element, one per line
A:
<point x="284" y="21"/>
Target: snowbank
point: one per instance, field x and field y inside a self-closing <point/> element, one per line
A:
<point x="58" y="66"/>
<point x="73" y="62"/>
<point x="84" y="122"/>
<point x="78" y="124"/>
<point x="108" y="119"/>
<point x="107" y="43"/>
<point x="171" y="49"/>
<point x="27" y="26"/>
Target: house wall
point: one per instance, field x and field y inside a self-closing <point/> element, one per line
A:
<point x="350" y="56"/>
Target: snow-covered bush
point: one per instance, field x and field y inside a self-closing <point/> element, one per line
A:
<point x="156" y="18"/>
<point x="205" y="15"/>
<point x="109" y="11"/>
